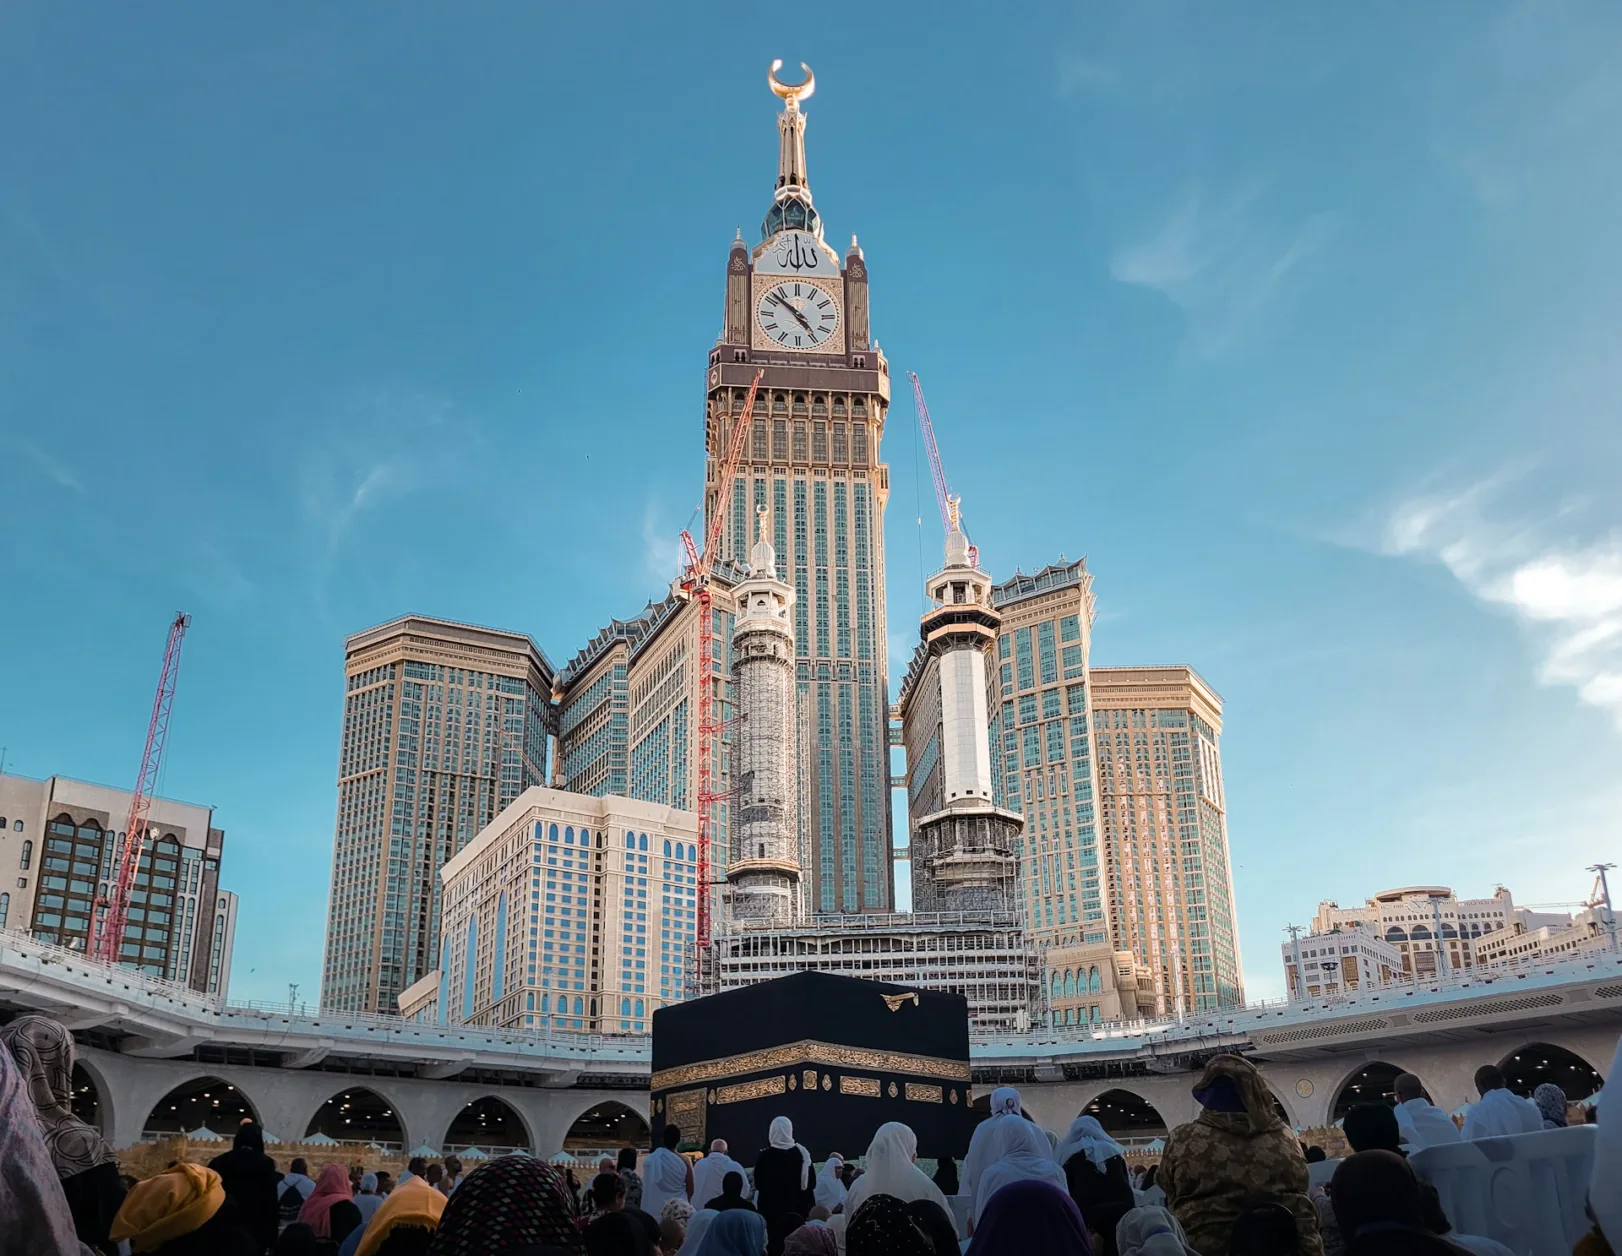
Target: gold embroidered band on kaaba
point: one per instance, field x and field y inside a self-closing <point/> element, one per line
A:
<point x="810" y="1051"/>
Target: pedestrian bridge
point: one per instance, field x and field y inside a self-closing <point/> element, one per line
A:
<point x="156" y="1055"/>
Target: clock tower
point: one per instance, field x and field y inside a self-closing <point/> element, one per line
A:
<point x="797" y="312"/>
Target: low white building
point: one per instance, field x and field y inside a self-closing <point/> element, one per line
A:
<point x="61" y="848"/>
<point x="1339" y="962"/>
<point x="567" y="911"/>
<point x="1583" y="934"/>
<point x="1435" y="930"/>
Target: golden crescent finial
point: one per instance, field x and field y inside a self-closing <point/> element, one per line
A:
<point x="794" y="93"/>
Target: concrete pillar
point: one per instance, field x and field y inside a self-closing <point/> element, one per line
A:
<point x="551" y="1112"/>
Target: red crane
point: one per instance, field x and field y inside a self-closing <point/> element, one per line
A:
<point x="116" y="909"/>
<point x="951" y="516"/>
<point x="696" y="582"/>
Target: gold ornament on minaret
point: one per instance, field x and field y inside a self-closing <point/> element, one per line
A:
<point x="791" y="174"/>
<point x="791" y="93"/>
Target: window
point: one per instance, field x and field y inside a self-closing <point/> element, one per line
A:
<point x="27" y="856"/>
<point x="5" y="909"/>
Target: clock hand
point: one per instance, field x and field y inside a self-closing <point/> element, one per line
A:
<point x="798" y="317"/>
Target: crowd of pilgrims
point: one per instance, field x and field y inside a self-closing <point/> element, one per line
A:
<point x="1233" y="1182"/>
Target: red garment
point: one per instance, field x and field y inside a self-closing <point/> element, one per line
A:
<point x="331" y="1187"/>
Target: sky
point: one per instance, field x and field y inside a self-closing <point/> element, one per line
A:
<point x="1300" y="322"/>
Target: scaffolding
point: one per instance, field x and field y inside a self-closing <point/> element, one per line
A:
<point x="763" y="865"/>
<point x="987" y="959"/>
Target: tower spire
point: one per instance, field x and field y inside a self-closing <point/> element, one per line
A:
<point x="791" y="201"/>
<point x="791" y="130"/>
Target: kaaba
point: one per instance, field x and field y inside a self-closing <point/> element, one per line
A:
<point x="838" y="1056"/>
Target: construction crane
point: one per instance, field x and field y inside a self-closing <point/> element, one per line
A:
<point x="696" y="584"/>
<point x="114" y="910"/>
<point x="949" y="502"/>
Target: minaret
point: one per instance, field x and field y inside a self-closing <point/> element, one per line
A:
<point x="962" y="851"/>
<point x="763" y="870"/>
<point x="793" y="184"/>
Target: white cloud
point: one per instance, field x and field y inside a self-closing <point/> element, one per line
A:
<point x="53" y="469"/>
<point x="662" y="556"/>
<point x="1567" y="592"/>
<point x="372" y="452"/>
<point x="1528" y="110"/>
<point x="1220" y="264"/>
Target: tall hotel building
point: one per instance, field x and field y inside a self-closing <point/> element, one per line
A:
<point x="797" y="311"/>
<point x="627" y="713"/>
<point x="1157" y="731"/>
<point x="444" y="726"/>
<point x="1041" y="752"/>
<point x="1118" y="773"/>
<point x="61" y="850"/>
<point x="567" y="912"/>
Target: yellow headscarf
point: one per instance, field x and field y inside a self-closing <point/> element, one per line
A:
<point x="167" y="1206"/>
<point x="413" y="1202"/>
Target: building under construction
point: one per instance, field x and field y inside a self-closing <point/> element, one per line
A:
<point x="969" y="935"/>
<point x="986" y="959"/>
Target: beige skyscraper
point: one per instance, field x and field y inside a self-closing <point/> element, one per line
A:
<point x="1041" y="754"/>
<point x="444" y="725"/>
<point x="1157" y="733"/>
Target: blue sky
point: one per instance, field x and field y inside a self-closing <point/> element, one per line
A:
<point x="1301" y="325"/>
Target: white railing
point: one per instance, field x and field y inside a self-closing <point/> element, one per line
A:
<point x="73" y="958"/>
<point x="1221" y="1022"/>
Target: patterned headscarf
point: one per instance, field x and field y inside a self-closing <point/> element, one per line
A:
<point x="1225" y="1071"/>
<point x="811" y="1240"/>
<point x="510" y="1202"/>
<point x="1551" y="1101"/>
<point x="883" y="1227"/>
<point x="677" y="1210"/>
<point x="44" y="1053"/>
<point x="31" y="1199"/>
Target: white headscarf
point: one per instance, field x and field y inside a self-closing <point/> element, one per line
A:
<point x="697" y="1224"/>
<point x="1087" y="1135"/>
<point x="830" y="1190"/>
<point x="781" y="1136"/>
<point x="1151" y="1232"/>
<point x="1015" y="1149"/>
<point x="1005" y="1108"/>
<point x="889" y="1170"/>
<point x="1605" y="1187"/>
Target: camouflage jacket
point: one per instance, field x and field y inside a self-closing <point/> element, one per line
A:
<point x="1221" y="1164"/>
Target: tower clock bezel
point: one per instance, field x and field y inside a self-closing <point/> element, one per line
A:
<point x="832" y="342"/>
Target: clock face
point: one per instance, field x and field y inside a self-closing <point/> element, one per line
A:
<point x="797" y="315"/>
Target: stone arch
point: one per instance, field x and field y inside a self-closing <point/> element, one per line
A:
<point x="490" y="1123"/>
<point x="607" y="1126"/>
<point x="86" y="1099"/>
<point x="1367" y="1082"/>
<point x="203" y="1101"/>
<point x="1528" y="1066"/>
<point x="103" y="1116"/>
<point x="1125" y="1114"/>
<point x="1280" y="1105"/>
<point x="361" y="1114"/>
